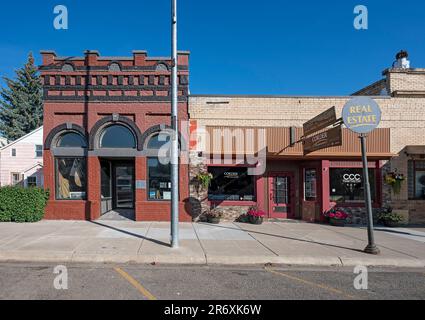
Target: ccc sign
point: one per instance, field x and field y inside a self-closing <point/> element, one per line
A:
<point x="351" y="178"/>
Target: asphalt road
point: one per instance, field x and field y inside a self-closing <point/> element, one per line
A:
<point x="132" y="282"/>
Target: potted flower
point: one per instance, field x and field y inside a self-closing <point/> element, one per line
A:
<point x="390" y="219"/>
<point x="255" y="215"/>
<point x="395" y="180"/>
<point x="337" y="217"/>
<point x="213" y="216"/>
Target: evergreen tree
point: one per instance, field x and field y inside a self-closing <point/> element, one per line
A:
<point x="21" y="103"/>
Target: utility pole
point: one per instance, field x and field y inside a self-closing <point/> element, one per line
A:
<point x="175" y="135"/>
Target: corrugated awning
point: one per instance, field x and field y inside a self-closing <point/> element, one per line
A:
<point x="276" y="142"/>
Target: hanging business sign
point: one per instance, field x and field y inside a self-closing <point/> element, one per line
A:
<point x="320" y="122"/>
<point x="361" y="115"/>
<point x="323" y="140"/>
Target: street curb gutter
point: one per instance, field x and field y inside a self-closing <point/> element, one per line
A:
<point x="212" y="260"/>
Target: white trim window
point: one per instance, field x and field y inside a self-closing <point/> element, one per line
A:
<point x="38" y="151"/>
<point x="16" y="178"/>
<point x="31" y="182"/>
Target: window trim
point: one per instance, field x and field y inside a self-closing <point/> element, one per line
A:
<point x="13" y="153"/>
<point x="414" y="198"/>
<point x="20" y="177"/>
<point x="57" y="176"/>
<point x="41" y="150"/>
<point x="36" y="182"/>
<point x="304" y="184"/>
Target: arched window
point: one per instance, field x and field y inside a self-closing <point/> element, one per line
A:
<point x="158" y="140"/>
<point x="67" y="67"/>
<point x="71" y="140"/>
<point x="161" y="67"/>
<point x="114" y="67"/>
<point x="117" y="136"/>
<point x="71" y="170"/>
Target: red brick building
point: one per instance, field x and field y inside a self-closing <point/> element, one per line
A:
<point x="105" y="121"/>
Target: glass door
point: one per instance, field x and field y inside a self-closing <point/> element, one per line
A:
<point x="124" y="186"/>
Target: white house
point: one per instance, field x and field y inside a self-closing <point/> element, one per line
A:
<point x="3" y="142"/>
<point x="21" y="161"/>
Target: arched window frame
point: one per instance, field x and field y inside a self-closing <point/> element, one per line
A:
<point x="106" y="127"/>
<point x="68" y="157"/>
<point x="98" y="128"/>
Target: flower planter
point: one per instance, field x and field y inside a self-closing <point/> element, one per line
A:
<point x="391" y="224"/>
<point x="213" y="220"/>
<point x="256" y="220"/>
<point x="337" y="222"/>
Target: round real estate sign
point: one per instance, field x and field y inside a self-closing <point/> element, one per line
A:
<point x="361" y="115"/>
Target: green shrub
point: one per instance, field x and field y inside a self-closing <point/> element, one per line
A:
<point x="19" y="204"/>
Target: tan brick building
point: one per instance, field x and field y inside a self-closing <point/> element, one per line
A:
<point x="397" y="147"/>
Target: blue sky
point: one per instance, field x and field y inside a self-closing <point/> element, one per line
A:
<point x="238" y="46"/>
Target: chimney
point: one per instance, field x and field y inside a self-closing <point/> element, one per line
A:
<point x="91" y="57"/>
<point x="48" y="57"/>
<point x="139" y="57"/>
<point x="401" y="60"/>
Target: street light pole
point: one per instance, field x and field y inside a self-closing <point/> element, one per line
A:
<point x="175" y="135"/>
<point x="371" y="247"/>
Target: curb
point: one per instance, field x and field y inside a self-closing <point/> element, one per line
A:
<point x="211" y="260"/>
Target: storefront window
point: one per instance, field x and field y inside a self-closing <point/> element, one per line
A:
<point x="159" y="180"/>
<point x="347" y="185"/>
<point x="310" y="186"/>
<point x="71" y="178"/>
<point x="417" y="180"/>
<point x="231" y="184"/>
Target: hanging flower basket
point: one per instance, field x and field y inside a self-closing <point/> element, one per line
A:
<point x="204" y="179"/>
<point x="395" y="180"/>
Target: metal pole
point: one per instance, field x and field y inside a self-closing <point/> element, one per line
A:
<point x="175" y="141"/>
<point x="371" y="247"/>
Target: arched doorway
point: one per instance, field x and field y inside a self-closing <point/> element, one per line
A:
<point x="116" y="143"/>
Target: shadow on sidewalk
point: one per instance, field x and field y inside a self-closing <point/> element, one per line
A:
<point x="400" y="232"/>
<point x="287" y="238"/>
<point x="132" y="234"/>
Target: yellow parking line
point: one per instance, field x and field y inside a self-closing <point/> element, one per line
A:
<point x="135" y="284"/>
<point x="313" y="284"/>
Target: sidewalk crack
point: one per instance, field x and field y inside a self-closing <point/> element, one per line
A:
<point x="200" y="243"/>
<point x="143" y="238"/>
<point x="255" y="239"/>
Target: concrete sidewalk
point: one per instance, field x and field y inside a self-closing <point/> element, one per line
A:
<point x="286" y="243"/>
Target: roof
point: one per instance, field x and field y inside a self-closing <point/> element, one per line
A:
<point x="21" y="138"/>
<point x="38" y="164"/>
